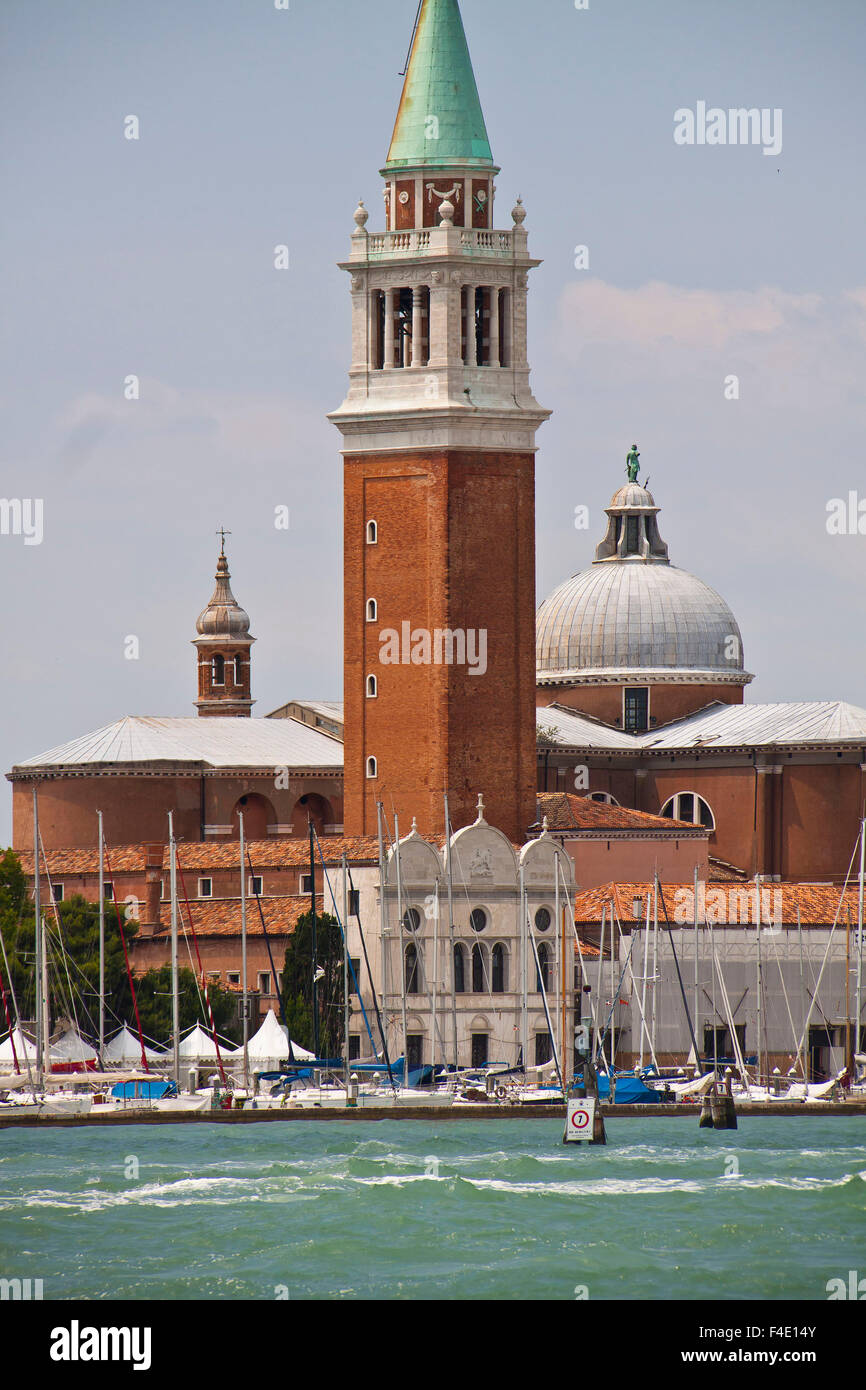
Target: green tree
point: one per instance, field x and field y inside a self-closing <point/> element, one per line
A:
<point x="153" y="992"/>
<point x="72" y="937"/>
<point x="298" y="984"/>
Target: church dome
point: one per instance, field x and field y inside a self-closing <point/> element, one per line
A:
<point x="634" y="614"/>
<point x="632" y="618"/>
<point x="223" y="617"/>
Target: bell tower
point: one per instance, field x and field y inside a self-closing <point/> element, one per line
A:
<point x="224" y="645"/>
<point x="439" y="429"/>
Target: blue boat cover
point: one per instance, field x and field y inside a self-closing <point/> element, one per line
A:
<point x="143" y="1090"/>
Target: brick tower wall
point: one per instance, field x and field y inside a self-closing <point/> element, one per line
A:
<point x="455" y="550"/>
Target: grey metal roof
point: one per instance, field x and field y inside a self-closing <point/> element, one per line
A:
<point x="720" y="726"/>
<point x="634" y="616"/>
<point x="213" y="742"/>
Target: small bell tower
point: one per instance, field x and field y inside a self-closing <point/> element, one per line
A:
<point x="224" y="645"/>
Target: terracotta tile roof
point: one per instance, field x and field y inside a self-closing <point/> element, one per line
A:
<point x="565" y="811"/>
<point x="265" y="854"/>
<point x="222" y="917"/>
<point x="818" y="903"/>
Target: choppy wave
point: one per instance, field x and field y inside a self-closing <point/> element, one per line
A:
<point x="471" y="1210"/>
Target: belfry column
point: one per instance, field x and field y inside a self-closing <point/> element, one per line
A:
<point x="493" y="292"/>
<point x="390" y="328"/>
<point x="418" y="297"/>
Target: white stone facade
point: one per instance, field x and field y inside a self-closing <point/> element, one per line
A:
<point x="514" y="898"/>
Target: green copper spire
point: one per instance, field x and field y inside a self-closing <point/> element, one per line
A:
<point x="440" y="122"/>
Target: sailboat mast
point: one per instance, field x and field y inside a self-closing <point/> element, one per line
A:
<point x="858" y="1039"/>
<point x="101" y="939"/>
<point x="315" y="941"/>
<point x="759" y="983"/>
<point x="559" y="928"/>
<point x="46" y="1020"/>
<point x="599" y="1043"/>
<point x="451" y="933"/>
<point x="175" y="1001"/>
<point x="655" y="959"/>
<point x="524" y="1007"/>
<point x="402" y="953"/>
<point x="383" y="926"/>
<point x="346" y="968"/>
<point x="697" y="971"/>
<point x="37" y="908"/>
<point x="244" y="980"/>
<point x="644" y="1031"/>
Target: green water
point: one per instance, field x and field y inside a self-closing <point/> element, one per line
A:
<point x="407" y="1209"/>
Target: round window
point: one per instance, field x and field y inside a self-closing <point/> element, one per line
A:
<point x="542" y="919"/>
<point x="411" y="919"/>
<point x="478" y="919"/>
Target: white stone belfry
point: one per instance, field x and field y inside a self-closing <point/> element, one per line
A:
<point x="439" y="352"/>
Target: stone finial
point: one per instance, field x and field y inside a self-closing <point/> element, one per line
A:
<point x="446" y="212"/>
<point x="362" y="216"/>
<point x="414" y="830"/>
<point x="519" y="213"/>
<point x="545" y="826"/>
<point x="480" y="820"/>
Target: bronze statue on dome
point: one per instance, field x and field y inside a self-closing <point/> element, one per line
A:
<point x="632" y="463"/>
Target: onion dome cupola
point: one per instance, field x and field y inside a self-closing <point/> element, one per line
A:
<point x="224" y="644"/>
<point x="635" y="622"/>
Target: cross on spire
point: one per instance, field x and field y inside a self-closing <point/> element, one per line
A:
<point x="222" y="533"/>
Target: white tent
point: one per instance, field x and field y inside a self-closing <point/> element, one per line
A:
<point x="71" y="1047"/>
<point x="125" y="1049"/>
<point x="199" y="1046"/>
<point x="24" y="1048"/>
<point x="269" y="1047"/>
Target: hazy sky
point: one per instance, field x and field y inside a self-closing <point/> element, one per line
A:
<point x="261" y="126"/>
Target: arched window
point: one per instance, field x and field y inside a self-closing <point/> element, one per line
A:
<point x="604" y="798"/>
<point x="689" y="807"/>
<point x="239" y="670"/>
<point x="542" y="971"/>
<point x="372" y="533"/>
<point x="459" y="970"/>
<point x="219" y="670"/>
<point x="372" y="688"/>
<point x="498" y="973"/>
<point x="413" y="972"/>
<point x="372" y="610"/>
<point x="372" y="769"/>
<point x="478" y="919"/>
<point x="478" y="985"/>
